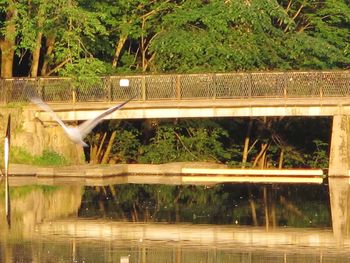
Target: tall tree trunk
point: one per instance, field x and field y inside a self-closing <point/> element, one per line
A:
<point x="281" y="159"/>
<point x="8" y="44"/>
<point x="93" y="152"/>
<point x="118" y="49"/>
<point x="260" y="158"/>
<point x="246" y="144"/>
<point x="143" y="50"/>
<point x="99" y="151"/>
<point x="109" y="148"/>
<point x="50" y="44"/>
<point x="263" y="159"/>
<point x="36" y="56"/>
<point x="36" y="52"/>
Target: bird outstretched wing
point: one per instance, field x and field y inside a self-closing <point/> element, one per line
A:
<point x="45" y="107"/>
<point x="88" y="125"/>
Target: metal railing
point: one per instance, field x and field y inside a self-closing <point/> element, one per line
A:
<point x="315" y="84"/>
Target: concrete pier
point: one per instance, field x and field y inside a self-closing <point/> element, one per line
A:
<point x="339" y="176"/>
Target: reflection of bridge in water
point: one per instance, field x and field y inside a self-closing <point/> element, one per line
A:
<point x="224" y="236"/>
<point x="106" y="241"/>
<point x="212" y="95"/>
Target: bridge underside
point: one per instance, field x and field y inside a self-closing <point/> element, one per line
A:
<point x="202" y="108"/>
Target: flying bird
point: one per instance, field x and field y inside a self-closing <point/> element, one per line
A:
<point x="77" y="133"/>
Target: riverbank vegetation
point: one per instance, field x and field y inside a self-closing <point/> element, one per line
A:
<point x="47" y="158"/>
<point x="238" y="142"/>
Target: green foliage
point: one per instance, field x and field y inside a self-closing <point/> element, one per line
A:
<point x="48" y="158"/>
<point x="321" y="38"/>
<point x="126" y="146"/>
<point x="73" y="28"/>
<point x="304" y="141"/>
<point x="181" y="36"/>
<point x="85" y="69"/>
<point x="320" y="157"/>
<point x="185" y="142"/>
<point x="162" y="147"/>
<point x="219" y="36"/>
<point x="131" y="24"/>
<point x="18" y="155"/>
<point x="86" y="73"/>
<point x="236" y="35"/>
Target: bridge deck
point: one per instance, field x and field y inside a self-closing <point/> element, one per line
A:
<point x="202" y="108"/>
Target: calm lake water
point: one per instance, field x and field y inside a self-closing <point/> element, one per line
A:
<point x="163" y="223"/>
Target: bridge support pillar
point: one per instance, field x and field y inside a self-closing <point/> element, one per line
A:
<point x="339" y="176"/>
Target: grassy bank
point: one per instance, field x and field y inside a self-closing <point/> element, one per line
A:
<point x="48" y="158"/>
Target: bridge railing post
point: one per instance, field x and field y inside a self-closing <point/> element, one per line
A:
<point x="250" y="83"/>
<point x="321" y="84"/>
<point x="143" y="88"/>
<point x="284" y="83"/>
<point x="214" y="84"/>
<point x="74" y="92"/>
<point x="178" y="87"/>
<point x="38" y="88"/>
<point x="108" y="88"/>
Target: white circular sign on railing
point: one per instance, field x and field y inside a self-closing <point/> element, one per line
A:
<point x="124" y="83"/>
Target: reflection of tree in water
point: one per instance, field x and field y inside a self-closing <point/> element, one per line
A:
<point x="31" y="205"/>
<point x="302" y="206"/>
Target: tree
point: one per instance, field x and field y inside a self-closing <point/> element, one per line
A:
<point x="71" y="55"/>
<point x="8" y="11"/>
<point x="132" y="25"/>
<point x="81" y="37"/>
<point x="241" y="35"/>
<point x="59" y="25"/>
<point x="321" y="35"/>
<point x="220" y="36"/>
